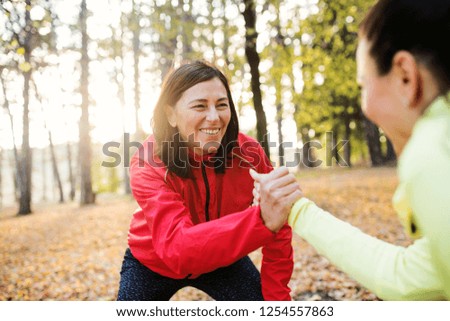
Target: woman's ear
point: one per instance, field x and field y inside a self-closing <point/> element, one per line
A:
<point x="170" y="114"/>
<point x="409" y="79"/>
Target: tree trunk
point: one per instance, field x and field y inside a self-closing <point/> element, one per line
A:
<point x="226" y="40"/>
<point x="347" y="135"/>
<point x="373" y="142"/>
<point x="139" y="135"/>
<point x="308" y="155"/>
<point x="253" y="60"/>
<point x="71" y="175"/>
<point x="334" y="142"/>
<point x="16" y="163"/>
<point x="55" y="167"/>
<point x="187" y="25"/>
<point x="119" y="78"/>
<point x="390" y="153"/>
<point x="126" y="174"/>
<point x="126" y="170"/>
<point x="44" y="176"/>
<point x="26" y="161"/>
<point x="15" y="179"/>
<point x="280" y="134"/>
<point x="85" y="153"/>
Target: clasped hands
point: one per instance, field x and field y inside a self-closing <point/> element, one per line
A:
<point x="276" y="193"/>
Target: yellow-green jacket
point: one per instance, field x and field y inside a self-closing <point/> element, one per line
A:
<point x="422" y="201"/>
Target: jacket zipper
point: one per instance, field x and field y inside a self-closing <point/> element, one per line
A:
<point x="205" y="180"/>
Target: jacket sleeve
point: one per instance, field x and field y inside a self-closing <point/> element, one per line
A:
<point x="429" y="196"/>
<point x="391" y="272"/>
<point x="277" y="266"/>
<point x="189" y="249"/>
<point x="277" y="262"/>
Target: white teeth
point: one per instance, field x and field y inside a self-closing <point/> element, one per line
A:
<point x="210" y="131"/>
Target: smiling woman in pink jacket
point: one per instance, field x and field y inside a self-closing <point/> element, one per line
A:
<point x="196" y="225"/>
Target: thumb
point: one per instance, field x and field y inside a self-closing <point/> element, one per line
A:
<point x="255" y="175"/>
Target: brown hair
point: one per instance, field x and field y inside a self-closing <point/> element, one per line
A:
<point x="170" y="147"/>
<point x="417" y="26"/>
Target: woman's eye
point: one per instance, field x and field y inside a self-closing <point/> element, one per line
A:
<point x="198" y="106"/>
<point x="222" y="106"/>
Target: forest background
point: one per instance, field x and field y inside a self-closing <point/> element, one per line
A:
<point x="80" y="77"/>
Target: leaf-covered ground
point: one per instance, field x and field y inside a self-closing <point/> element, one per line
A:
<point x="63" y="252"/>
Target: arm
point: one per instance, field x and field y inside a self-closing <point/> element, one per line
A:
<point x="391" y="272"/>
<point x="277" y="266"/>
<point x="184" y="247"/>
<point x="278" y="258"/>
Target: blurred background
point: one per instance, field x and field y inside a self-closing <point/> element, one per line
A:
<point x="78" y="83"/>
<point x="78" y="74"/>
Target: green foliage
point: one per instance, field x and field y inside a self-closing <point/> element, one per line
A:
<point x="330" y="97"/>
<point x="307" y="51"/>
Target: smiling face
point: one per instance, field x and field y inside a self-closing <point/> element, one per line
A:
<point x="202" y="115"/>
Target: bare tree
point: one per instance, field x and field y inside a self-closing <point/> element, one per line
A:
<point x="279" y="118"/>
<point x="136" y="30"/>
<point x="21" y="38"/>
<point x="44" y="175"/>
<point x="85" y="153"/>
<point x="54" y="162"/>
<point x="253" y="60"/>
<point x="71" y="174"/>
<point x="26" y="155"/>
<point x="118" y="54"/>
<point x="13" y="135"/>
<point x="373" y="142"/>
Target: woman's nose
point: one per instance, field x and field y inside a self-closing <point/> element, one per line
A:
<point x="212" y="114"/>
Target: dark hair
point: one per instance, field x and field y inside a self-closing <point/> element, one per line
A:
<point x="171" y="148"/>
<point x="417" y="26"/>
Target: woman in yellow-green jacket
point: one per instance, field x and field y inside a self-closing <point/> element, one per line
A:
<point x="403" y="68"/>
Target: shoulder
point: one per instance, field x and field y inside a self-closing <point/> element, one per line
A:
<point x="146" y="152"/>
<point x="247" y="143"/>
<point x="145" y="162"/>
<point x="428" y="149"/>
<point x="242" y="138"/>
<point x="249" y="150"/>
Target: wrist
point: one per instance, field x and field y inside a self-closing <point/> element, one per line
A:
<point x="296" y="210"/>
<point x="267" y="222"/>
<point x="274" y="228"/>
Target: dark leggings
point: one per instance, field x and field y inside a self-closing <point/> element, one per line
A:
<point x="238" y="282"/>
